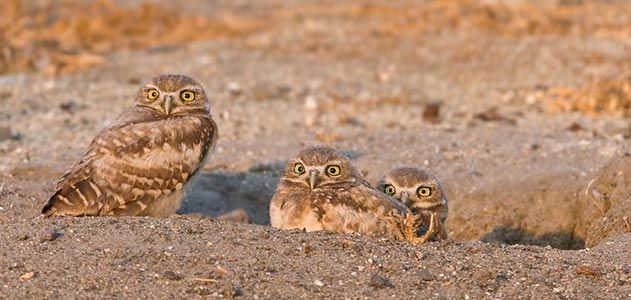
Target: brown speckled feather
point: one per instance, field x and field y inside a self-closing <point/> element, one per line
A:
<point x="137" y="166"/>
<point x="343" y="203"/>
<point x="404" y="183"/>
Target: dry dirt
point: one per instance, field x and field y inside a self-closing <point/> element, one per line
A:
<point x="521" y="109"/>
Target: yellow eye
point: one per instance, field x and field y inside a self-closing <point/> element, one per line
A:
<point x="389" y="189"/>
<point x="153" y="94"/>
<point x="333" y="170"/>
<point x="187" y="96"/>
<point x="299" y="168"/>
<point x="424" y="191"/>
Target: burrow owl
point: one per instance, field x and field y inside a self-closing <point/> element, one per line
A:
<point x="141" y="164"/>
<point x="419" y="191"/>
<point x="322" y="190"/>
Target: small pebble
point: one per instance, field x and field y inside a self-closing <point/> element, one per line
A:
<point x="51" y="235"/>
<point x="238" y="292"/>
<point x="587" y="271"/>
<point x="235" y="88"/>
<point x="425" y="275"/>
<point x="27" y="276"/>
<point x="170" y="275"/>
<point x="431" y="113"/>
<point x="574" y="127"/>
<point x="501" y="278"/>
<point x="380" y="282"/>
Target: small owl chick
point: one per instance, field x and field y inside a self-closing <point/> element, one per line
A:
<point x="322" y="190"/>
<point x="419" y="191"/>
<point x="141" y="164"/>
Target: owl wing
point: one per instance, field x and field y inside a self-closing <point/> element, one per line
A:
<point x="361" y="209"/>
<point x="132" y="163"/>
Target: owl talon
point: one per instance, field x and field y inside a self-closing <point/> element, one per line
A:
<point x="430" y="231"/>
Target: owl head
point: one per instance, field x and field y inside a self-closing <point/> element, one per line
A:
<point x="413" y="187"/>
<point x="172" y="95"/>
<point x="321" y="167"/>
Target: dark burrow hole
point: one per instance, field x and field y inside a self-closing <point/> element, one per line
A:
<point x="219" y="193"/>
<point x="513" y="236"/>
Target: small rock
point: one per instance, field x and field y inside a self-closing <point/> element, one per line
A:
<point x="225" y="115"/>
<point x="483" y="275"/>
<point x="235" y="88"/>
<point x="380" y="282"/>
<point x="501" y="278"/>
<point x="425" y="275"/>
<point x="318" y="282"/>
<point x="27" y="276"/>
<point x="450" y="156"/>
<point x="492" y="115"/>
<point x="170" y="275"/>
<point x="574" y="127"/>
<point x="238" y="292"/>
<point x="587" y="271"/>
<point x="70" y="106"/>
<point x="51" y="235"/>
<point x="431" y="113"/>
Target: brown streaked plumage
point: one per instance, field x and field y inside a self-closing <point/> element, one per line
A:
<point x="140" y="164"/>
<point x="419" y="191"/>
<point x="322" y="190"/>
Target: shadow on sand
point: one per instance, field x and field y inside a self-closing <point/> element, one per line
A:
<point x="219" y="193"/>
<point x="512" y="236"/>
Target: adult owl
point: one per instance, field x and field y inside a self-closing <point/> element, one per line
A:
<point x="322" y="190"/>
<point x="142" y="163"/>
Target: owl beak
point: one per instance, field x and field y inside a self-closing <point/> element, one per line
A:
<point x="313" y="178"/>
<point x="168" y="102"/>
<point x="405" y="198"/>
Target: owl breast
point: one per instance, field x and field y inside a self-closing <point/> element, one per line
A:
<point x="138" y="166"/>
<point x="339" y="210"/>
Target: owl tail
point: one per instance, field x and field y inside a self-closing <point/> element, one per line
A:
<point x="76" y="199"/>
<point x="50" y="207"/>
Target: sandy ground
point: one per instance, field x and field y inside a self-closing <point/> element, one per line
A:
<point x="540" y="203"/>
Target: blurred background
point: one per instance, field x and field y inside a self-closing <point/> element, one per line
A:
<point x="520" y="107"/>
<point x="66" y="36"/>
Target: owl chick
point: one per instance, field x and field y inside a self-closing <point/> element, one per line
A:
<point x="141" y="164"/>
<point x="321" y="190"/>
<point x="419" y="191"/>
